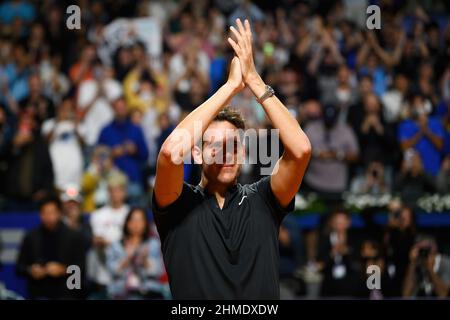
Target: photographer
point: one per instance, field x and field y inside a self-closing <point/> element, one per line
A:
<point x="372" y="182"/>
<point x="398" y="240"/>
<point x="428" y="273"/>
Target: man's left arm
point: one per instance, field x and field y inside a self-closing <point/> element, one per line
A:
<point x="290" y="168"/>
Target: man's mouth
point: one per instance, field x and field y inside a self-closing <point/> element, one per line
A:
<point x="228" y="165"/>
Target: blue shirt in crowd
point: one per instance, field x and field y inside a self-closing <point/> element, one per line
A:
<point x="19" y="9"/>
<point x="430" y="155"/>
<point x="117" y="133"/>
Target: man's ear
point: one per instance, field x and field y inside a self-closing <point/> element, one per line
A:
<point x="197" y="154"/>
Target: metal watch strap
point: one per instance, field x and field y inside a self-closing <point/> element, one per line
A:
<point x="269" y="93"/>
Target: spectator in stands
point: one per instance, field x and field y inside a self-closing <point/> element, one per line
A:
<point x="83" y="69"/>
<point x="426" y="84"/>
<point x="128" y="148"/>
<point x="107" y="224"/>
<point x="29" y="176"/>
<point x="11" y="10"/>
<point x="72" y="214"/>
<point x="398" y="239"/>
<point x="188" y="72"/>
<point x="423" y="133"/>
<point x="47" y="251"/>
<point x="373" y="181"/>
<point x="94" y="184"/>
<point x="55" y="83"/>
<point x="412" y="181"/>
<point x="394" y="99"/>
<point x="373" y="68"/>
<point x="374" y="135"/>
<point x="342" y="93"/>
<point x="135" y="261"/>
<point x="334" y="147"/>
<point x="6" y="135"/>
<point x="336" y="256"/>
<point x="356" y="111"/>
<point x="64" y="137"/>
<point x="123" y="62"/>
<point x="145" y="89"/>
<point x="42" y="105"/>
<point x="309" y="111"/>
<point x="15" y="74"/>
<point x="443" y="178"/>
<point x="428" y="272"/>
<point x="246" y="10"/>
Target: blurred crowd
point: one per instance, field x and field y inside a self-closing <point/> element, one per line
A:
<point x="84" y="112"/>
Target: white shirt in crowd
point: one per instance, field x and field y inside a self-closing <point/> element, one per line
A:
<point x="101" y="112"/>
<point x="107" y="222"/>
<point x="65" y="152"/>
<point x="177" y="67"/>
<point x="392" y="103"/>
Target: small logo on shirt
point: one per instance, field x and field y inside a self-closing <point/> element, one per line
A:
<point x="240" y="202"/>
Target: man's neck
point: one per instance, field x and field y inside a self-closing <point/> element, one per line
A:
<point x="116" y="205"/>
<point x="219" y="190"/>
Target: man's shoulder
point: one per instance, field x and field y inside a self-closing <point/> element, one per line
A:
<point x="189" y="194"/>
<point x="254" y="187"/>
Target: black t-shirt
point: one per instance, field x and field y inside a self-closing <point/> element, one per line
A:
<point x="228" y="253"/>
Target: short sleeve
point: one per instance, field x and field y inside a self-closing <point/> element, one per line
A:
<point x="166" y="218"/>
<point x="264" y="189"/>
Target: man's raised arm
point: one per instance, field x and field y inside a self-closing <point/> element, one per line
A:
<point x="288" y="172"/>
<point x="169" y="168"/>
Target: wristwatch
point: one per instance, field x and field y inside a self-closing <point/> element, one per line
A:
<point x="269" y="93"/>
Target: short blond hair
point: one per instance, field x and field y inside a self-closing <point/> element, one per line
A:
<point x="117" y="179"/>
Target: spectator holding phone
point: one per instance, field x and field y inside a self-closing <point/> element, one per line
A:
<point x="29" y="174"/>
<point x="94" y="185"/>
<point x="64" y="137"/>
<point x="372" y="182"/>
<point x="428" y="273"/>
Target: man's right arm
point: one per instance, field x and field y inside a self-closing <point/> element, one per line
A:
<point x="169" y="167"/>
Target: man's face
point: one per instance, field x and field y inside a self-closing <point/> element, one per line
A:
<point x="120" y="109"/>
<point x="72" y="209"/>
<point x="222" y="154"/>
<point x="117" y="194"/>
<point x="34" y="83"/>
<point x="50" y="215"/>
